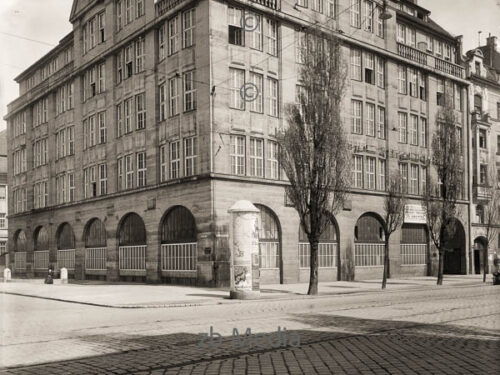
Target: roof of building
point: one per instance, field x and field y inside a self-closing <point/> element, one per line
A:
<point x="52" y="53"/>
<point x="491" y="57"/>
<point x="429" y="24"/>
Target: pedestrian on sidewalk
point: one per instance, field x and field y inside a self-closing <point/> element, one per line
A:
<point x="50" y="272"/>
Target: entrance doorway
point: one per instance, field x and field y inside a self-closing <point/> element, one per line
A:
<point x="479" y="246"/>
<point x="454" y="254"/>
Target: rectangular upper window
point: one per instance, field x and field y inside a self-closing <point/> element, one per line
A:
<point x="357" y="171"/>
<point x="355" y="13"/>
<point x="189" y="91"/>
<point x="403" y="127"/>
<point x="94" y="31"/>
<point x="357" y="117"/>
<point x="173" y="35"/>
<point x="256" y="157"/>
<point x="190" y="156"/>
<point x="356" y="72"/>
<point x="188" y="27"/>
<point x="237" y="77"/>
<point x="369" y="10"/>
<point x="237" y="154"/>
<point x="236" y="33"/>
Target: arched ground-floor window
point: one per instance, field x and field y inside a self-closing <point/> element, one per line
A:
<point x="179" y="250"/>
<point x="95" y="247"/>
<point x="41" y="247"/>
<point x="327" y="248"/>
<point x="132" y="246"/>
<point x="369" y="241"/>
<point x="414" y="245"/>
<point x="65" y="247"/>
<point x="269" y="244"/>
<point x="20" y="251"/>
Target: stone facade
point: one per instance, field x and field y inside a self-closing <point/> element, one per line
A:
<point x="483" y="68"/>
<point x="146" y="71"/>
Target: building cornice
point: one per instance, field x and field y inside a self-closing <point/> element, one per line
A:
<point x="479" y="80"/>
<point x="63" y="43"/>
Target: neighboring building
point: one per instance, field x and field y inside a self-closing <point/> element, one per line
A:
<point x="483" y="71"/>
<point x="4" y="256"/>
<point x="130" y="140"/>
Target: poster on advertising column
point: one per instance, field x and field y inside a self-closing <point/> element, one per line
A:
<point x="415" y="214"/>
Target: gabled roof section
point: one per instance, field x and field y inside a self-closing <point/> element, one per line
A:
<point x="430" y="24"/>
<point x="435" y="26"/>
<point x="80" y="7"/>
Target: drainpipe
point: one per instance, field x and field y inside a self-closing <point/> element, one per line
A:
<point x="211" y="170"/>
<point x="470" y="172"/>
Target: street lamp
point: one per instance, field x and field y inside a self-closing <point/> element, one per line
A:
<point x="385" y="15"/>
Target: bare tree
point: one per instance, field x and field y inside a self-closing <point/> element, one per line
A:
<point x="442" y="194"/>
<point x="394" y="205"/>
<point x="313" y="149"/>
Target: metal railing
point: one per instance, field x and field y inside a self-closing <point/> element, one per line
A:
<point x="20" y="260"/>
<point x="41" y="260"/>
<point x="66" y="259"/>
<point x="179" y="256"/>
<point x="369" y="254"/>
<point x="413" y="254"/>
<point x="95" y="258"/>
<point x="327" y="255"/>
<point x="269" y="254"/>
<point x="132" y="257"/>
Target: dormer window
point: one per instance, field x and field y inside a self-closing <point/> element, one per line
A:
<point x="477" y="67"/>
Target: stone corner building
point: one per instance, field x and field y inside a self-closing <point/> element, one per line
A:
<point x="4" y="256"/>
<point x="130" y="139"/>
<point x="483" y="72"/>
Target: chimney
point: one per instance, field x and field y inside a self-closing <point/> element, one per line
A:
<point x="492" y="41"/>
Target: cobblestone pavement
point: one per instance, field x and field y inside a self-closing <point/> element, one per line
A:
<point x="441" y="331"/>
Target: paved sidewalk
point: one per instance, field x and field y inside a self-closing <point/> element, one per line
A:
<point x="120" y="295"/>
<point x="451" y="330"/>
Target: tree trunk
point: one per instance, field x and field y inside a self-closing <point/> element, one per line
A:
<point x="386" y="262"/>
<point x="485" y="263"/>
<point x="440" y="267"/>
<point x="428" y="264"/>
<point x="313" y="278"/>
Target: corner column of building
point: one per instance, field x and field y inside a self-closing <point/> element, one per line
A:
<point x="112" y="270"/>
<point x="52" y="229"/>
<point x="79" y="273"/>
<point x="30" y="256"/>
<point x="152" y="255"/>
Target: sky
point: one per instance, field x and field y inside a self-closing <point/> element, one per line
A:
<point x="47" y="22"/>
